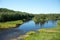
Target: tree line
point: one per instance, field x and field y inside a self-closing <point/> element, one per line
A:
<point x="11" y="15"/>
<point x="45" y="17"/>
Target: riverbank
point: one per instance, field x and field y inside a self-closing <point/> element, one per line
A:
<point x="44" y="34"/>
<point x="10" y="24"/>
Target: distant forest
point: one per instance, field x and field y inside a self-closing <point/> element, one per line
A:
<point x="11" y="15"/>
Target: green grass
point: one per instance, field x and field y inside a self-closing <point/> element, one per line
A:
<point x="10" y="24"/>
<point x="45" y="34"/>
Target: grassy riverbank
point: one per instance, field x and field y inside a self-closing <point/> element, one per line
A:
<point x="10" y="24"/>
<point x="45" y="34"/>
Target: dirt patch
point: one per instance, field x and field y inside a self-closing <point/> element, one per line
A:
<point x="50" y="30"/>
<point x="47" y="30"/>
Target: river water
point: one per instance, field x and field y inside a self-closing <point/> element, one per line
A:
<point x="26" y="27"/>
<point x="32" y="26"/>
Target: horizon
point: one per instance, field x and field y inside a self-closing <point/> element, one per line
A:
<point x="32" y="6"/>
<point x="31" y="13"/>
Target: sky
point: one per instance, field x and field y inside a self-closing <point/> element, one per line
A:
<point x="32" y="6"/>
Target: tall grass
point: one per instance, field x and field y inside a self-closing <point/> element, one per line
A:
<point x="10" y="24"/>
<point x="45" y="34"/>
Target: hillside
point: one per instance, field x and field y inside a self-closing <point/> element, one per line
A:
<point x="10" y="15"/>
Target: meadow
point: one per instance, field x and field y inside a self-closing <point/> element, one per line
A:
<point x="45" y="34"/>
<point x="10" y="24"/>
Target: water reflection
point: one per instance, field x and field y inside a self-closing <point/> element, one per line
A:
<point x="10" y="33"/>
<point x="27" y="26"/>
<point x="32" y="25"/>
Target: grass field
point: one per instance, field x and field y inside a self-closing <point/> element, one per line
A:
<point x="10" y="24"/>
<point x="44" y="34"/>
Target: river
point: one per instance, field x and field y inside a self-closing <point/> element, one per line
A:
<point x="7" y="34"/>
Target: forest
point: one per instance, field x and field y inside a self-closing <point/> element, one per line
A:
<point x="10" y="18"/>
<point x="11" y="15"/>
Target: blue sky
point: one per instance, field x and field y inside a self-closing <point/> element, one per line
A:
<point x="32" y="6"/>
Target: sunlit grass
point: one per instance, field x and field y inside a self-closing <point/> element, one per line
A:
<point x="46" y="34"/>
<point x="10" y="24"/>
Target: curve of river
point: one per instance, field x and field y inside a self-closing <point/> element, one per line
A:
<point x="26" y="27"/>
